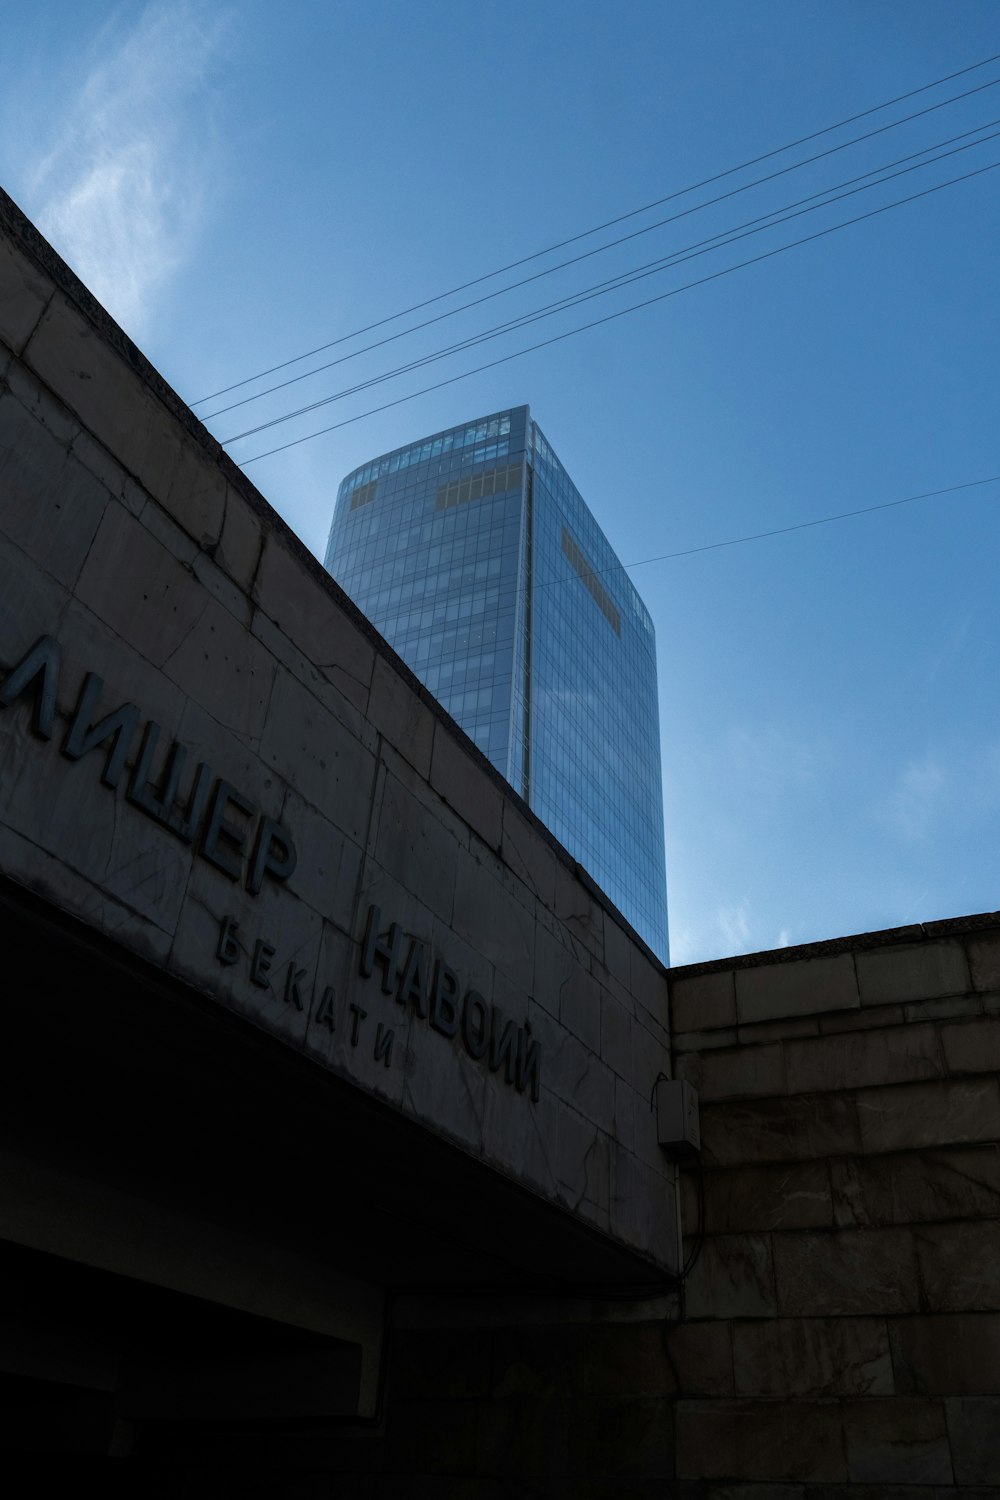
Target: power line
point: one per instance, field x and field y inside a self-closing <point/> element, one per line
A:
<point x="610" y="245"/>
<point x="759" y="536"/>
<point x="770" y="220"/>
<point x="622" y="312"/>
<point x="843" y="515"/>
<point x="607" y="224"/>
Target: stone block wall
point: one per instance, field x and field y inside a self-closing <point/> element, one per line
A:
<point x="129" y="536"/>
<point x="839" y="1331"/>
<point x="842" y="1320"/>
<point x="838" y="1335"/>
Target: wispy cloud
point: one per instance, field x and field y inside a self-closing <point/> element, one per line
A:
<point x="916" y="800"/>
<point x="947" y="786"/>
<point x="715" y="934"/>
<point x="733" y="922"/>
<point x="771" y="757"/>
<point x="954" y="638"/>
<point x="121" y="187"/>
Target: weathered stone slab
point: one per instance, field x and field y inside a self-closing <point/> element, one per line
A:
<point x="863" y="1059"/>
<point x="650" y="1058"/>
<point x="52" y="504"/>
<point x="221" y="587"/>
<point x="206" y="738"/>
<point x="528" y="854"/>
<point x="133" y="583"/>
<point x="700" y="1358"/>
<point x="878" y="1492"/>
<point x="851" y="1272"/>
<point x="616" y="1035"/>
<point x="795" y="988"/>
<point x="788" y="1492"/>
<point x="486" y="914"/>
<point x="62" y="807"/>
<point x="706" y="1041"/>
<point x="239" y="547"/>
<point x="733" y="1277"/>
<point x="323" y="762"/>
<point x="583" y="1165"/>
<point x="193" y="492"/>
<point x="328" y="872"/>
<point x="218" y="649"/>
<point x="624" y="1442"/>
<point x="357" y="1044"/>
<point x="51" y="877"/>
<point x="960" y="1265"/>
<point x="580" y="1009"/>
<point x="318" y="682"/>
<point x="870" y="1019"/>
<point x="789" y="1196"/>
<point x="301" y="606"/>
<point x="397" y="712"/>
<point x="792" y="1358"/>
<point x="734" y="1073"/>
<point x="574" y="1073"/>
<point x="627" y="1106"/>
<point x="581" y="914"/>
<point x="442" y="1083"/>
<point x="759" y="1440"/>
<point x="451" y="1364"/>
<point x="23" y="298"/>
<point x="95" y="383"/>
<point x="396" y="902"/>
<point x="793" y="1026"/>
<point x="924" y="971"/>
<point x="984" y="960"/>
<point x="972" y="1047"/>
<point x="703" y="1001"/>
<point x="960" y="1182"/>
<point x="419" y="1445"/>
<point x="929" y="1114"/>
<point x="270" y="939"/>
<point x="556" y="967"/>
<point x="621" y="1360"/>
<point x="946" y="1355"/>
<point x="32" y="604"/>
<point x="466" y="786"/>
<point x="412" y="841"/>
<point x="643" y="1205"/>
<point x="537" y="1134"/>
<point x="899" y="1441"/>
<point x="648" y="985"/>
<point x="617" y="951"/>
<point x="974" y="1430"/>
<point x="808" y="1126"/>
<point x="530" y="1361"/>
<point x="952" y="1007"/>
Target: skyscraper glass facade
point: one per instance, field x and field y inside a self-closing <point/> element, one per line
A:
<point x="476" y="557"/>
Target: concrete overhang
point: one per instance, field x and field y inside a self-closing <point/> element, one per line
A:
<point x="293" y="957"/>
<point x="129" y="1082"/>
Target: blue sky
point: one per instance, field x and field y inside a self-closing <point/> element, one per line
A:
<point x="240" y="183"/>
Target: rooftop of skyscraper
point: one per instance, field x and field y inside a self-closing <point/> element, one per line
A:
<point x="476" y="556"/>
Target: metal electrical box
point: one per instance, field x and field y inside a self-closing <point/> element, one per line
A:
<point x="677" y="1126"/>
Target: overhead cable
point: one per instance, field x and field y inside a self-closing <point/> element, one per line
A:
<point x="610" y="223"/>
<point x="613" y="244"/>
<point x="622" y="312"/>
<point x="771" y="220"/>
<point x="760" y="536"/>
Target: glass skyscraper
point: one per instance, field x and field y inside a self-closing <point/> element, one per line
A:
<point x="474" y="554"/>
